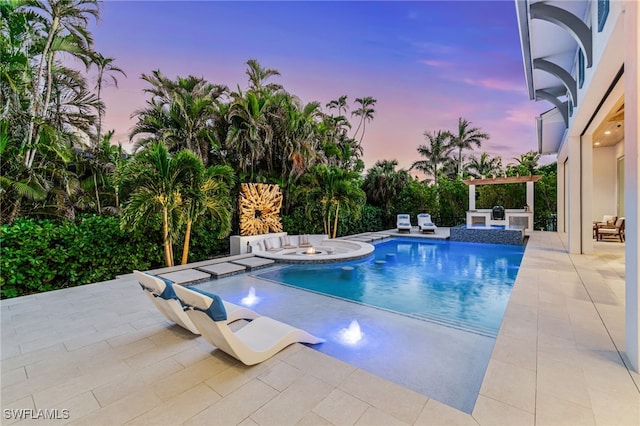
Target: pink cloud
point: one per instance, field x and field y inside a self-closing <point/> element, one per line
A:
<point x="436" y="63"/>
<point x="496" y="84"/>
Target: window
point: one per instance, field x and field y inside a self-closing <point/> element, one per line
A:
<point x="580" y="68"/>
<point x="570" y="108"/>
<point x="603" y="12"/>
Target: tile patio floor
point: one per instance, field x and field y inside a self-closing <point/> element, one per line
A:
<point x="105" y="354"/>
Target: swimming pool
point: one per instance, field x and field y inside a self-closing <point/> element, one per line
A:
<point x="458" y="284"/>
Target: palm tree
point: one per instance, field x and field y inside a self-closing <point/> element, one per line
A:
<point x="526" y="164"/>
<point x="159" y="183"/>
<point x="106" y="68"/>
<point x="63" y="25"/>
<point x="257" y="76"/>
<point x="207" y="192"/>
<point x="331" y="188"/>
<point x="383" y="182"/>
<point x="436" y="153"/>
<point x="340" y="104"/>
<point x="179" y="113"/>
<point x="365" y="112"/>
<point x="484" y="166"/>
<point x="465" y="138"/>
<point x="251" y="133"/>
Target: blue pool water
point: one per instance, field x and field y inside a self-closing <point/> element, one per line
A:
<point x="458" y="284"/>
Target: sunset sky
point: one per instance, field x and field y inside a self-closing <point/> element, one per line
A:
<point x="427" y="63"/>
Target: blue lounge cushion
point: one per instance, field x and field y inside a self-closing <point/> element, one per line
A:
<point x="216" y="311"/>
<point x="168" y="292"/>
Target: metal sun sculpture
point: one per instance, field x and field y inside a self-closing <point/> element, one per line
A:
<point x="260" y="208"/>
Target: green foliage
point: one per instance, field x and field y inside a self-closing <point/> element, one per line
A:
<point x="510" y="196"/>
<point x="371" y="219"/>
<point x="415" y="197"/>
<point x="297" y="222"/>
<point x="43" y="255"/>
<point x="205" y="241"/>
<point x="546" y="198"/>
<point x="453" y="200"/>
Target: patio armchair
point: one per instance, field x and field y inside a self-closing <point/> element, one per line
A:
<point x="254" y="343"/>
<point x="616" y="231"/>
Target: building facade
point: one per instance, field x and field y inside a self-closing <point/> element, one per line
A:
<point x="581" y="56"/>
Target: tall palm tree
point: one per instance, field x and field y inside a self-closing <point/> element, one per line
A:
<point x="465" y="138"/>
<point x="436" y="153"/>
<point x="340" y="104"/>
<point x="208" y="191"/>
<point x="365" y="111"/>
<point x="251" y="132"/>
<point x="106" y="68"/>
<point x="159" y="182"/>
<point x="63" y="25"/>
<point x="485" y="165"/>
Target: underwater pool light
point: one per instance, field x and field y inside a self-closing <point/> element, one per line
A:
<point x="251" y="299"/>
<point x="352" y="334"/>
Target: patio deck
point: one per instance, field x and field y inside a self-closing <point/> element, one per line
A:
<point x="105" y="354"/>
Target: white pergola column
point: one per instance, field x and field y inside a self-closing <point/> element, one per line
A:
<point x="472" y="197"/>
<point x="530" y="195"/>
<point x="632" y="181"/>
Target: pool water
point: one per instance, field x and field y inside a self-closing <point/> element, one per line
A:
<point x="457" y="284"/>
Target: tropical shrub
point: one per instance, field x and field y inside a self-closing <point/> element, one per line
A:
<point x="453" y="201"/>
<point x="371" y="219"/>
<point x="43" y="255"/>
<point x="415" y="197"/>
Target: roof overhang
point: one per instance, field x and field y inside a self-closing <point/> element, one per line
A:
<point x="551" y="34"/>
<point x="550" y="128"/>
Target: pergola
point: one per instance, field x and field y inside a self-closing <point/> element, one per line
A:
<point x="529" y="180"/>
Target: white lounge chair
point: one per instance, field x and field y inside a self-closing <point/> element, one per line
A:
<point x="162" y="294"/>
<point x="404" y="222"/>
<point x="425" y="224"/>
<point x="256" y="342"/>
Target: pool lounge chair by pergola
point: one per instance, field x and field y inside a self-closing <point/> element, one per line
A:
<point x="162" y="294"/>
<point x="404" y="222"/>
<point x="252" y="344"/>
<point x="425" y="224"/>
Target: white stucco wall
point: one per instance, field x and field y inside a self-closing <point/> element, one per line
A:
<point x="632" y="183"/>
<point x="604" y="182"/>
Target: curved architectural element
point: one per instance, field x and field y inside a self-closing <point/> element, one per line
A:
<point x="561" y="73"/>
<point x="324" y="250"/>
<point x="563" y="107"/>
<point x="569" y="22"/>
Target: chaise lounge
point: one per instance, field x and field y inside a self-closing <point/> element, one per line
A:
<point x="404" y="222"/>
<point x="254" y="343"/>
<point x="162" y="293"/>
<point x="425" y="224"/>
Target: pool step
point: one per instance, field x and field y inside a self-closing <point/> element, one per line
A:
<point x="223" y="269"/>
<point x="187" y="276"/>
